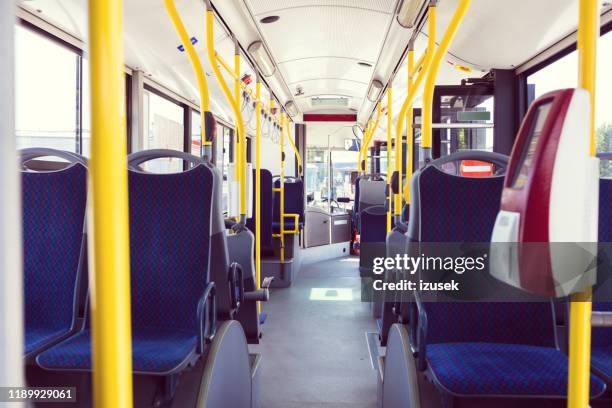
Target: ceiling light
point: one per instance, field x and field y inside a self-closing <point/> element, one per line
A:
<point x="291" y="108"/>
<point x="408" y="13"/>
<point x="262" y="58"/>
<point x="269" y="19"/>
<point x="364" y="64"/>
<point x="374" y="91"/>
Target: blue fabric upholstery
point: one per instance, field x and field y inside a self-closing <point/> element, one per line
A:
<point x="267" y="207"/>
<point x="457" y="209"/>
<point x="169" y="252"/>
<point x="478" y="348"/>
<point x="53" y="219"/>
<point x="496" y="322"/>
<point x="502" y="369"/>
<point x="289" y="225"/>
<point x="294" y="200"/>
<point x="601" y="338"/>
<point x="373" y="222"/>
<point x="153" y="350"/>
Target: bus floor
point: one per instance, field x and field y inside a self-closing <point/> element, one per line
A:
<point x="314" y="347"/>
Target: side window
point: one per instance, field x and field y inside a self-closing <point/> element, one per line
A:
<point x="45" y="92"/>
<point x="196" y="134"/>
<point x="563" y="73"/>
<point x="163" y="130"/>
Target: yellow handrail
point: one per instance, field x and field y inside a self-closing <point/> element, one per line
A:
<point x="364" y="140"/>
<point x="282" y="187"/>
<point x="238" y="138"/>
<point x="299" y="170"/>
<point x="110" y="292"/>
<point x="196" y="64"/>
<point x="581" y="306"/>
<point x="432" y="72"/>
<point x="389" y="147"/>
<point x="370" y="135"/>
<point x="419" y="64"/>
<point x="210" y="47"/>
<point x="409" y="132"/>
<point x="431" y="31"/>
<point x="258" y="188"/>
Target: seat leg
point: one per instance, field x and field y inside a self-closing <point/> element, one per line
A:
<point x="166" y="391"/>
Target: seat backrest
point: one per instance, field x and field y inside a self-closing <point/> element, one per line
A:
<point x="603" y="336"/>
<point x="170" y="237"/>
<point x="53" y="222"/>
<point x="371" y="192"/>
<point x="294" y="198"/>
<point x="453" y="208"/>
<point x="267" y="207"/>
<point x="373" y="222"/>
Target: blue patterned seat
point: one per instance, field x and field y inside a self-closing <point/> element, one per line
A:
<point x="294" y="204"/>
<point x="169" y="260"/>
<point x="53" y="219"/>
<point x="601" y="338"/>
<point x="267" y="197"/>
<point x="483" y="348"/>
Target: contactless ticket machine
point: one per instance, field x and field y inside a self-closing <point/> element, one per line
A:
<point x="545" y="236"/>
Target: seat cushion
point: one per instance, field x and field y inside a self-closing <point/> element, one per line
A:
<point x="601" y="359"/>
<point x="36" y="338"/>
<point x="494" y="369"/>
<point x="153" y="351"/>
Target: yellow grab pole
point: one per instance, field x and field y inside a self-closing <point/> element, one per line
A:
<point x="389" y="147"/>
<point x="432" y="72"/>
<point x="371" y="132"/>
<point x="258" y="187"/>
<point x="110" y="294"/>
<point x="361" y="157"/>
<point x="196" y="64"/>
<point x="238" y="136"/>
<point x="299" y="170"/>
<point x="282" y="185"/>
<point x="580" y="306"/>
<point x="431" y="33"/>
<point x="210" y="48"/>
<point x="409" y="131"/>
<point x="419" y="64"/>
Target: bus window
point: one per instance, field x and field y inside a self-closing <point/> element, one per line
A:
<point x="163" y="130"/>
<point x="196" y="134"/>
<point x="46" y="93"/>
<point x="563" y="73"/>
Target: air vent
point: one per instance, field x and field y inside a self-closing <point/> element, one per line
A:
<point x="333" y="102"/>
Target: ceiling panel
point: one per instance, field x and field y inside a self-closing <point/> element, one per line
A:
<point x="266" y="6"/>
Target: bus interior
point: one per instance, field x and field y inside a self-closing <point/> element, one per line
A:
<point x="224" y="203"/>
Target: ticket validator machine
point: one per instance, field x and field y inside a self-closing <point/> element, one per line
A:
<point x="545" y="235"/>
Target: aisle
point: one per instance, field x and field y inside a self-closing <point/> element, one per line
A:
<point x="314" y="348"/>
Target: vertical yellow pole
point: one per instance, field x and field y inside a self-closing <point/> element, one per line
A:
<point x="409" y="130"/>
<point x="235" y="104"/>
<point x="580" y="307"/>
<point x="389" y="147"/>
<point x="282" y="185"/>
<point x="430" y="81"/>
<point x="399" y="164"/>
<point x="427" y="60"/>
<point x="258" y="187"/>
<point x="237" y="136"/>
<point x="110" y="295"/>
